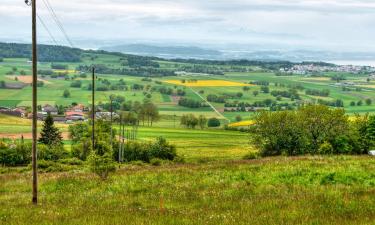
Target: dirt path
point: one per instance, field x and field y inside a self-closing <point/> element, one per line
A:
<point x="213" y="107"/>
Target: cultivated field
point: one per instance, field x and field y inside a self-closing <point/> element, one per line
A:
<point x="228" y="84"/>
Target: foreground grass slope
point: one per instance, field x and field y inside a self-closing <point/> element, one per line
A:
<point x="306" y="190"/>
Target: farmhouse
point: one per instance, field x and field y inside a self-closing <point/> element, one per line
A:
<point x="75" y="116"/>
<point x="78" y="108"/>
<point x="49" y="109"/>
<point x="18" y="112"/>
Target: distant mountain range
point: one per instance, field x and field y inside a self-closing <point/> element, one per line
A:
<point x="188" y="52"/>
<point x="165" y="51"/>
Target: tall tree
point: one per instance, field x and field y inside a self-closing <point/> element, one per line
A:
<point x="202" y="121"/>
<point x="50" y="135"/>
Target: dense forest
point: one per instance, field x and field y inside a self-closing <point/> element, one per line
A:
<point x="50" y="53"/>
<point x="47" y="53"/>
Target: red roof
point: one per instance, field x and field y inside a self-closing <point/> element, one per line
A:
<point x="70" y="113"/>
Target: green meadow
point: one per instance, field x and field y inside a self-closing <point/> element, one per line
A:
<point x="304" y="190"/>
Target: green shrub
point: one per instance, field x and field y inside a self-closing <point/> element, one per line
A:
<point x="162" y="149"/>
<point x="82" y="150"/>
<point x="16" y="154"/>
<point x="53" y="152"/>
<point x="213" y="122"/>
<point x="50" y="166"/>
<point x="326" y="149"/>
<point x="71" y="161"/>
<point x="136" y="151"/>
<point x="156" y="162"/>
<point x="102" y="165"/>
<point x="252" y="155"/>
<point x="146" y="151"/>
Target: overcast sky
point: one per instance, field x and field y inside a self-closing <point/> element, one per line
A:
<point x="316" y="24"/>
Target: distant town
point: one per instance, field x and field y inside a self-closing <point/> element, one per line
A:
<point x="315" y="69"/>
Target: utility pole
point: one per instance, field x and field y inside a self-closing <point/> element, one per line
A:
<point x="93" y="108"/>
<point x="111" y="100"/>
<point x="34" y="101"/>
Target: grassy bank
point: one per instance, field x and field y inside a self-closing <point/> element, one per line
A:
<point x="307" y="190"/>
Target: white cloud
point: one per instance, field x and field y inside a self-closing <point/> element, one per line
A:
<point x="318" y="23"/>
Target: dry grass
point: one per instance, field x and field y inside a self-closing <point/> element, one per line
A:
<point x="26" y="79"/>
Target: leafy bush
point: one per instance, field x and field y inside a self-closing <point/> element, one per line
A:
<point x="162" y="149"/>
<point x="102" y="165"/>
<point x="50" y="166"/>
<point x="252" y="155"/>
<point x="52" y="152"/>
<point x="213" y="122"/>
<point x="146" y="151"/>
<point x="325" y="149"/>
<point x="71" y="161"/>
<point x="82" y="150"/>
<point x="15" y="154"/>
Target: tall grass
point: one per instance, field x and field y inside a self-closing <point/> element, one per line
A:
<point x="308" y="190"/>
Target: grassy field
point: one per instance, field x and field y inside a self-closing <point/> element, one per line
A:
<point x="230" y="83"/>
<point x="193" y="145"/>
<point x="305" y="190"/>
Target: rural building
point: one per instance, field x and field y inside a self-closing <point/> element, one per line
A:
<point x="59" y="119"/>
<point x="49" y="109"/>
<point x="74" y="116"/>
<point x="78" y="108"/>
<point x="18" y="112"/>
<point x="105" y="115"/>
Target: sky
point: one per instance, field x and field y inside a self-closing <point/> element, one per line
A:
<point x="342" y="25"/>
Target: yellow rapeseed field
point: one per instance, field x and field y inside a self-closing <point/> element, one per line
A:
<point x="242" y="123"/>
<point x="65" y="71"/>
<point x="207" y="83"/>
<point x="368" y="86"/>
<point x="317" y="79"/>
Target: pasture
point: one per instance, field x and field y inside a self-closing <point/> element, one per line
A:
<point x="304" y="190"/>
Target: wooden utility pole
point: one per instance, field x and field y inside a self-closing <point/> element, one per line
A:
<point x="93" y="108"/>
<point x="111" y="100"/>
<point x="34" y="104"/>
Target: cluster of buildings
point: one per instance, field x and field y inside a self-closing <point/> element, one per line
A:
<point x="309" y="69"/>
<point x="75" y="113"/>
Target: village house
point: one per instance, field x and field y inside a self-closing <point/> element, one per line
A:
<point x="19" y="112"/>
<point x="74" y="116"/>
<point x="78" y="108"/>
<point x="49" y="109"/>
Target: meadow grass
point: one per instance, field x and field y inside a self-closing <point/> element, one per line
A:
<point x="302" y="190"/>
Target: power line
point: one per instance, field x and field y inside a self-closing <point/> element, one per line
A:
<point x="58" y="22"/>
<point x="48" y="31"/>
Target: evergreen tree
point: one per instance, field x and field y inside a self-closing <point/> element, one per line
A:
<point x="50" y="135"/>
